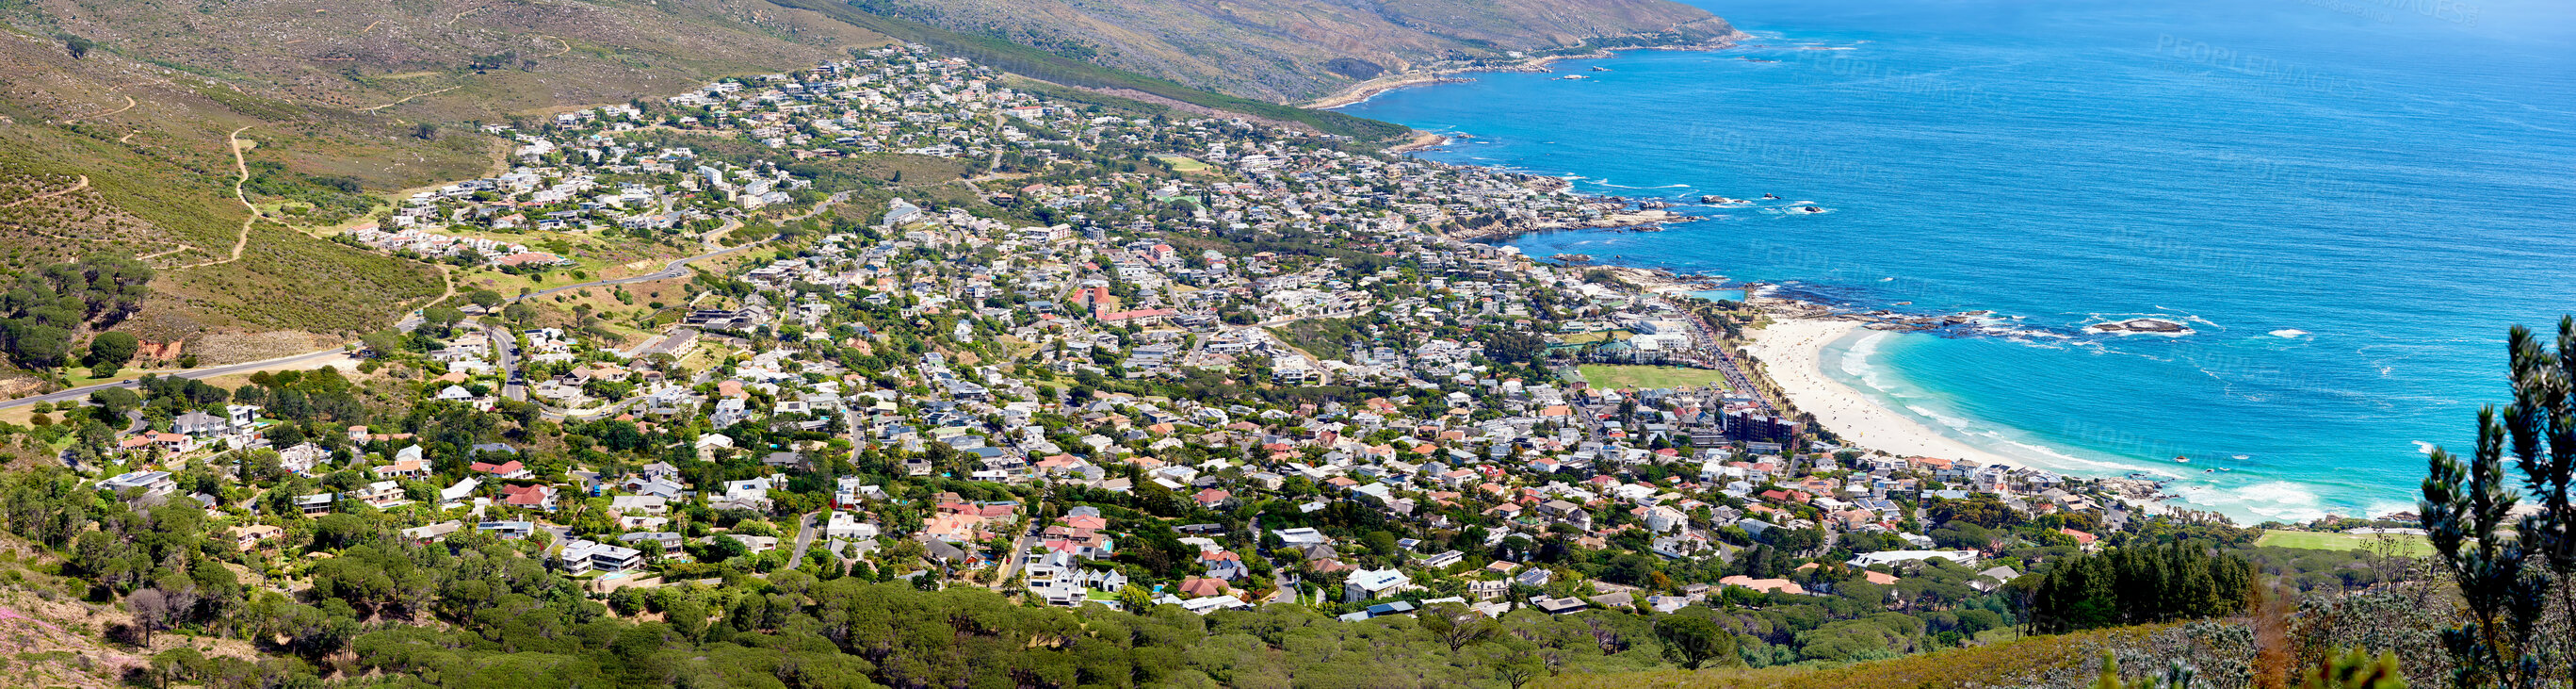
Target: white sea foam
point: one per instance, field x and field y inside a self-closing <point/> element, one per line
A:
<point x="2385" y="508"/>
<point x="2422" y="447"/>
<point x="2288" y="332"/>
<point x="2280" y="500"/>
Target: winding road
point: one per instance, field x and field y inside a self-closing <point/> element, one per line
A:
<point x="407" y="99"/>
<point x="82" y="184"/>
<point x="243" y="166"/>
<point x="129" y="105"/>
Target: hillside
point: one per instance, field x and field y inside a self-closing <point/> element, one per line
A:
<point x="120" y="157"/>
<point x="119" y="119"/>
<point x="1295" y="49"/>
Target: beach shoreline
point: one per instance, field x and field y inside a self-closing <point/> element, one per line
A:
<point x="1421" y="142"/>
<point x="1361" y="92"/>
<point x="1791" y="351"/>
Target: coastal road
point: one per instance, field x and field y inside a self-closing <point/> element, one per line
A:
<point x="679" y="268"/>
<point x="79" y="393"/>
<point x="1726" y="363"/>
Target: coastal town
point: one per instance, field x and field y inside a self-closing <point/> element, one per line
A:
<point x="1118" y="360"/>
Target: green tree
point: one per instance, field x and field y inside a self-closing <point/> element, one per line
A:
<point x="1693" y="641"/>
<point x="1517" y="664"/>
<point x="110" y="351"/>
<point x="2503" y="569"/>
<point x="442" y="317"/>
<point x="383" y="342"/>
<point x="1515" y="347"/>
<point x="38" y="345"/>
<point x="115" y="401"/>
<point x="1456" y="625"/>
<point x="1135" y="598"/>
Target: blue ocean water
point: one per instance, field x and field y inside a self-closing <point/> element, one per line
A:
<point x="2348" y="200"/>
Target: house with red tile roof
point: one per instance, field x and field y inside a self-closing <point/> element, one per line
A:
<point x="506" y="470"/>
<point x="1202" y="587"/>
<point x="529" y="497"/>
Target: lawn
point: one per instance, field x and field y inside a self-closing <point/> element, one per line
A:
<point x="1595" y="336"/>
<point x="1183" y="164"/>
<point x="2410" y="545"/>
<point x="1650" y="377"/>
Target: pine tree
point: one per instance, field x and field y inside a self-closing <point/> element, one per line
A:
<point x="2505" y="574"/>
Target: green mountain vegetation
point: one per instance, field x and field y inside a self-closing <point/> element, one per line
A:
<point x="1038" y="63"/>
<point x="1297" y="49"/>
<point x="123" y="120"/>
<point x="164" y="172"/>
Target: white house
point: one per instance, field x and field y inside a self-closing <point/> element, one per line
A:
<point x="1371" y="583"/>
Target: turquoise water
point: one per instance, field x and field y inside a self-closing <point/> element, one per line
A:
<point x="2348" y="202"/>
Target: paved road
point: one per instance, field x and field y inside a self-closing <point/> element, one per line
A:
<point x="804" y="537"/>
<point x="1020" y="548"/>
<point x="82" y="392"/>
<point x="505" y="348"/>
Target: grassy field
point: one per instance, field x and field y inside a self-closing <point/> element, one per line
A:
<point x="1595" y="336"/>
<point x="1648" y="377"/>
<point x="2409" y="545"/>
<point x="1183" y="164"/>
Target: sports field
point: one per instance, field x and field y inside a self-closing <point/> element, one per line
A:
<point x="1183" y="164"/>
<point x="2409" y="545"/>
<point x="1608" y="376"/>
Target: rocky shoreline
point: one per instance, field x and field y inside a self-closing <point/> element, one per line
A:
<point x="2153" y="326"/>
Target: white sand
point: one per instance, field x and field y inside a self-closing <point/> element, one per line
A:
<point x="1791" y="352"/>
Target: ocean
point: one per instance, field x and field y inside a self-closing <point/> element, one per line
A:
<point x="2348" y="201"/>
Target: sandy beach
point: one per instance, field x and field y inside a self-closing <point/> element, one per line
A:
<point x="1369" y="89"/>
<point x="1791" y="352"/>
<point x="1422" y="141"/>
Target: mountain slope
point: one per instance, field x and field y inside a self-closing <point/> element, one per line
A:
<point x="118" y="122"/>
<point x="1293" y="49"/>
<point x="499" y="56"/>
<point x="119" y="119"/>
